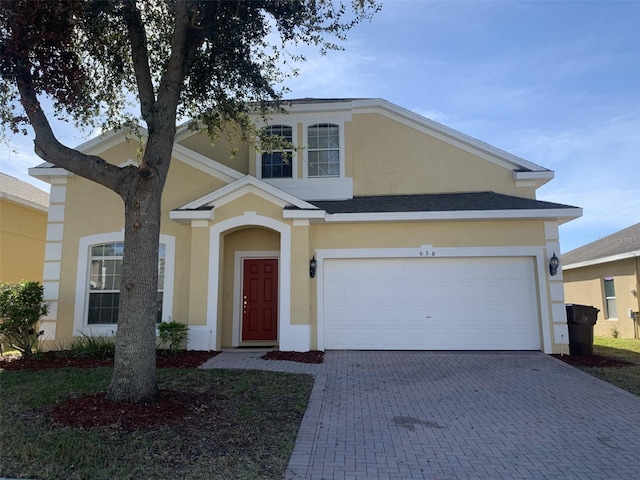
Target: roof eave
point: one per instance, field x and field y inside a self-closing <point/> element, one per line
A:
<point x="598" y="261"/>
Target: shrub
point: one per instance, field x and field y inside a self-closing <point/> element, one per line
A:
<point x="21" y="307"/>
<point x="172" y="333"/>
<point x="87" y="346"/>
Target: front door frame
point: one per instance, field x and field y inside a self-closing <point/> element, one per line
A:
<point x="238" y="263"/>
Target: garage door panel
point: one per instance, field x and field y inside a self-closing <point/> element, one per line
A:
<point x="442" y="303"/>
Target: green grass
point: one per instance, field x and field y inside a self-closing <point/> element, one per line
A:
<point x="245" y="427"/>
<point x="627" y="349"/>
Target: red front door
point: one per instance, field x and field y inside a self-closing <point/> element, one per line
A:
<point x="260" y="299"/>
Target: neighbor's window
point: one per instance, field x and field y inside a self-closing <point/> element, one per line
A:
<point x="611" y="310"/>
<point x="324" y="150"/>
<point x="104" y="279"/>
<point x="277" y="163"/>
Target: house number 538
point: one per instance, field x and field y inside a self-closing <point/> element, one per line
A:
<point x="426" y="252"/>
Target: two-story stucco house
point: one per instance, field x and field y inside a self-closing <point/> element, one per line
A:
<point x="381" y="229"/>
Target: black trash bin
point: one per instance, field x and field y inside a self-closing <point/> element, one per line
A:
<point x="581" y="319"/>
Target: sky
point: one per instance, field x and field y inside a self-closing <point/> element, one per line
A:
<point x="556" y="83"/>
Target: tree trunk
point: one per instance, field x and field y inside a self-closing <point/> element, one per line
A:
<point x="134" y="373"/>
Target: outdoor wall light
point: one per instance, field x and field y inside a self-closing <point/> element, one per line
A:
<point x="554" y="263"/>
<point x="312" y="267"/>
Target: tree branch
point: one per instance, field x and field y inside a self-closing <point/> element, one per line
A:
<point x="140" y="58"/>
<point x="47" y="146"/>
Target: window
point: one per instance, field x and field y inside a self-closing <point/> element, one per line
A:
<point x="611" y="311"/>
<point x="324" y="150"/>
<point x="277" y="163"/>
<point x="104" y="282"/>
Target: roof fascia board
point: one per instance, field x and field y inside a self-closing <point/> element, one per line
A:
<point x="444" y="133"/>
<point x="187" y="216"/>
<point x="205" y="164"/>
<point x="598" y="261"/>
<point x="24" y="202"/>
<point x="248" y="180"/>
<point x="45" y="173"/>
<point x="110" y="139"/>
<point x="564" y="214"/>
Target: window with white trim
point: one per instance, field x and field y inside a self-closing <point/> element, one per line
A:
<point x="323" y="155"/>
<point x="278" y="162"/>
<point x="611" y="310"/>
<point x="105" y="273"/>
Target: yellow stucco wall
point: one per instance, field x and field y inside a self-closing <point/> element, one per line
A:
<point x="23" y="232"/>
<point x="390" y="158"/>
<point x="385" y="157"/>
<point x="92" y="209"/>
<point x="585" y="286"/>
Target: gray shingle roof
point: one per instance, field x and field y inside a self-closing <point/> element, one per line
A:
<point x="12" y="187"/>
<point x="437" y="202"/>
<point x="618" y="243"/>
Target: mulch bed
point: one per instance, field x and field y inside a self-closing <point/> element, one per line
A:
<point x="94" y="410"/>
<point x="591" y="361"/>
<point x="47" y="360"/>
<point x="313" y="356"/>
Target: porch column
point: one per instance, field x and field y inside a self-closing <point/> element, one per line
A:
<point x="200" y="336"/>
<point x="300" y="279"/>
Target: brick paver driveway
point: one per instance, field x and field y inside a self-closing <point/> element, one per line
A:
<point x="449" y="415"/>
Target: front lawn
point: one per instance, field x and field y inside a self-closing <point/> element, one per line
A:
<point x="233" y="425"/>
<point x="626" y="349"/>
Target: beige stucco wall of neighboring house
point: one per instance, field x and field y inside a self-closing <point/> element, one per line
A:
<point x="425" y="164"/>
<point x="23" y="232"/>
<point x="585" y="286"/>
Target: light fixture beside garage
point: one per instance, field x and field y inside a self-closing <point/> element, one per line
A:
<point x="554" y="263"/>
<point x="312" y="267"/>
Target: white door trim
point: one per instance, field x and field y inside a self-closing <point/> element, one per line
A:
<point x="238" y="273"/>
<point x="216" y="250"/>
<point x="448" y="252"/>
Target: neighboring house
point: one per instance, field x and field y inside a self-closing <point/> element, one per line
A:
<point x="23" y="229"/>
<point x="605" y="274"/>
<point x="422" y="237"/>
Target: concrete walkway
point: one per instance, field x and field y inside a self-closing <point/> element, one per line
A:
<point x="450" y="415"/>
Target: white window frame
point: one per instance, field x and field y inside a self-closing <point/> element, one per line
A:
<point x="294" y="154"/>
<point x="608" y="299"/>
<point x="292" y="151"/>
<point x="80" y="317"/>
<point x="327" y="149"/>
<point x="341" y="152"/>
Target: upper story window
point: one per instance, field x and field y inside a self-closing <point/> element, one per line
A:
<point x="105" y="273"/>
<point x="278" y="161"/>
<point x="323" y="156"/>
<point x="611" y="310"/>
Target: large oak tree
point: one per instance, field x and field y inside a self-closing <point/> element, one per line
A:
<point x="122" y="63"/>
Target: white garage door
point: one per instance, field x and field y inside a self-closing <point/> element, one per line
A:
<point x="431" y="304"/>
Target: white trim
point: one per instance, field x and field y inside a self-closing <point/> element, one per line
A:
<point x="315" y="188"/>
<point x="205" y="164"/>
<point x="218" y="197"/>
<point x="55" y="232"/>
<point x="110" y="139"/>
<point x="597" y="261"/>
<point x="537" y="253"/>
<point x="24" y="202"/>
<point x="565" y="214"/>
<point x="186" y="217"/>
<point x="216" y="249"/>
<point x="80" y="325"/>
<point x="46" y="171"/>
<point x="238" y="273"/>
